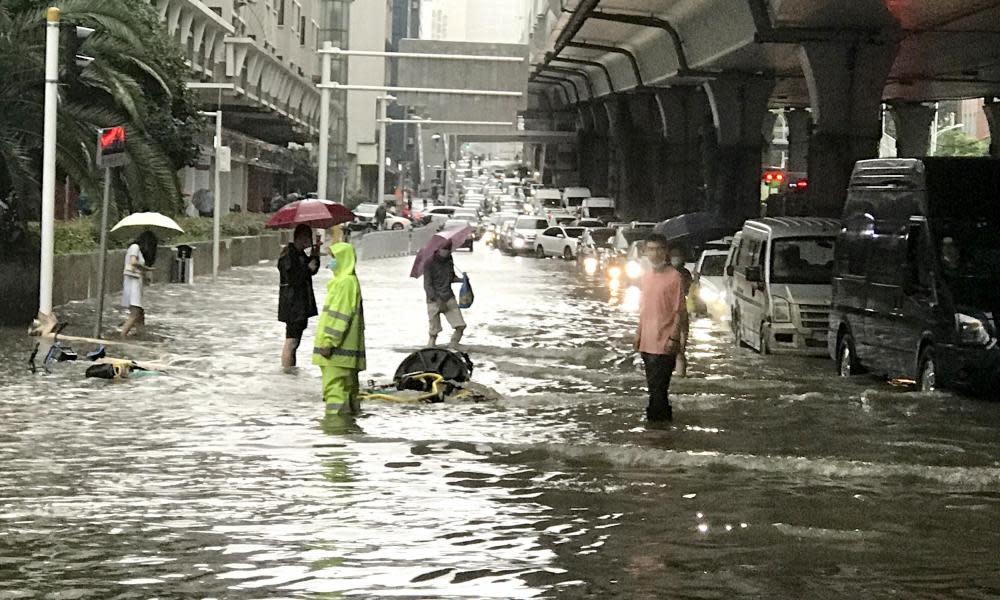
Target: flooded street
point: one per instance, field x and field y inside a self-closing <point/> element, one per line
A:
<point x="223" y="480"/>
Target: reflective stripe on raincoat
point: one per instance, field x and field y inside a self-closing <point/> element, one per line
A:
<point x="341" y="324"/>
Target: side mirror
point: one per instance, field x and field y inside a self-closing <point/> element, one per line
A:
<point x="730" y="270"/>
<point x="754" y="274"/>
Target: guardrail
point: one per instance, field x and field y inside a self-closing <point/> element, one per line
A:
<point x="389" y="244"/>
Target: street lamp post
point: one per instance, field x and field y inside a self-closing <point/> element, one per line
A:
<point x="46" y="318"/>
<point x="382" y="102"/>
<point x="324" y="122"/>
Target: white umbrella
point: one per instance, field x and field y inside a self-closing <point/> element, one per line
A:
<point x="134" y="224"/>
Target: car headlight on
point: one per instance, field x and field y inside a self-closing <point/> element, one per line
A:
<point x="590" y="265"/>
<point x="615" y="273"/>
<point x="633" y="269"/>
<point x="971" y="331"/>
<point x="707" y="294"/>
<point x="518" y="242"/>
<point x="781" y="312"/>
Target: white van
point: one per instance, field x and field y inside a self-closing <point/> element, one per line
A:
<point x="573" y="197"/>
<point x="781" y="273"/>
<point x="598" y="208"/>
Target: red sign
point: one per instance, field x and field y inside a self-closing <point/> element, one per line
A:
<point x="111" y="147"/>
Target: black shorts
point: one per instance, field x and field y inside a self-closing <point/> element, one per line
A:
<point x="294" y="329"/>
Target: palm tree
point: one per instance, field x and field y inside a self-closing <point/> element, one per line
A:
<point x="133" y="79"/>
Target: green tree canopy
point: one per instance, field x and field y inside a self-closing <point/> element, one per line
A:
<point x="958" y="143"/>
<point x="137" y="79"/>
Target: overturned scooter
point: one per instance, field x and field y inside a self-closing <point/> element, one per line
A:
<point x="431" y="375"/>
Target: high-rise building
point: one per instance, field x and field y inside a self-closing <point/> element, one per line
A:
<point x="485" y="21"/>
<point x="257" y="62"/>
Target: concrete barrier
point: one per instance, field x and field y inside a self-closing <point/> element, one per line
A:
<point x="389" y="244"/>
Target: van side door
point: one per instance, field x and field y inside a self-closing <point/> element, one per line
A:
<point x="749" y="285"/>
<point x="849" y="293"/>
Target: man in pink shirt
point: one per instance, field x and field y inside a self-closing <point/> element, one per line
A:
<point x="662" y="312"/>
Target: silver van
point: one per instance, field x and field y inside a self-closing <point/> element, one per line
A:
<point x="781" y="272"/>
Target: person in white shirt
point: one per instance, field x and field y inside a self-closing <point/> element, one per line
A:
<point x="139" y="260"/>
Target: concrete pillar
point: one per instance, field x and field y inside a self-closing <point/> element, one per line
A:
<point x="799" y="129"/>
<point x="845" y="89"/>
<point x="680" y="182"/>
<point x="992" y="109"/>
<point x="739" y="106"/>
<point x="601" y="148"/>
<point x="913" y="128"/>
<point x="586" y="146"/>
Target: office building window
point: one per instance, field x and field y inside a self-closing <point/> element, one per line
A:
<point x="302" y="31"/>
<point x="281" y="12"/>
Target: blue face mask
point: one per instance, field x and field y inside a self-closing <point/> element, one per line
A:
<point x="332" y="265"/>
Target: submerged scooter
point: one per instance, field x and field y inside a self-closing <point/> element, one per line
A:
<point x="431" y="376"/>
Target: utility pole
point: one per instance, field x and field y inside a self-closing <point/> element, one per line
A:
<point x="324" y="121"/>
<point x="48" y="223"/>
<point x="382" y="102"/>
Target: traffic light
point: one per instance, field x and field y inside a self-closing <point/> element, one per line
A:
<point x="111" y="147"/>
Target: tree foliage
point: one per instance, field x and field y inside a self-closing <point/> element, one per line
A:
<point x="137" y="79"/>
<point x="959" y="143"/>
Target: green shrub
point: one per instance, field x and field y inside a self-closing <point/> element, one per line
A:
<point x="83" y="235"/>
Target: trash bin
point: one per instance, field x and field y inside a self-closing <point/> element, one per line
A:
<point x="183" y="267"/>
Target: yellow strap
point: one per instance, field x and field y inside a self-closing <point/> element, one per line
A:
<point x="434" y="378"/>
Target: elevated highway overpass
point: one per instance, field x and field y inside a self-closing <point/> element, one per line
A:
<point x="671" y="100"/>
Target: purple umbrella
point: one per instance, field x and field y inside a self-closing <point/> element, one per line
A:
<point x="455" y="237"/>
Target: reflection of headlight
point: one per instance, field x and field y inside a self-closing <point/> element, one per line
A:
<point x="707" y="295"/>
<point x="633" y="269"/>
<point x="519" y="242"/>
<point x="971" y="330"/>
<point x="722" y="296"/>
<point x="590" y="265"/>
<point x="780" y="311"/>
<point x="631" y="300"/>
<point x="615" y="273"/>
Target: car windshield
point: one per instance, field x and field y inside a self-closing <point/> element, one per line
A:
<point x="365" y="208"/>
<point x="632" y="234"/>
<point x="970" y="262"/>
<point x="574" y="201"/>
<point x="713" y="265"/>
<point x="551" y="203"/>
<point x="531" y="223"/>
<point x="574" y="232"/>
<point x="601" y="211"/>
<point x="602" y="237"/>
<point x="804" y="260"/>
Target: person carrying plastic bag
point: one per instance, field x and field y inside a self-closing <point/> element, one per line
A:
<point x="339" y="350"/>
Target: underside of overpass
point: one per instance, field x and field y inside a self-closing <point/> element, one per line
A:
<point x="673" y="101"/>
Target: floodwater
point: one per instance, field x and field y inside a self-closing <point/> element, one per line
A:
<point x="223" y="480"/>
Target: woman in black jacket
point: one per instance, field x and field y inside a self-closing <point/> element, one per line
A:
<point x="296" y="301"/>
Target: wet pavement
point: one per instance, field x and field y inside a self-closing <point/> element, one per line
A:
<point x="775" y="480"/>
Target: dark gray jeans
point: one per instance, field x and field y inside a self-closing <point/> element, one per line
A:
<point x="659" y="370"/>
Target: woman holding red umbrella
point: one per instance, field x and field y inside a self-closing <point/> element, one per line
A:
<point x="296" y="300"/>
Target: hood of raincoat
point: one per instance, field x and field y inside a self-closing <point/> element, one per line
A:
<point x="346" y="259"/>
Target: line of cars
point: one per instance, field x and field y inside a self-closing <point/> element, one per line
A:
<point x="906" y="285"/>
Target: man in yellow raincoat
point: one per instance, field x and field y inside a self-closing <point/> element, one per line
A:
<point x="339" y="349"/>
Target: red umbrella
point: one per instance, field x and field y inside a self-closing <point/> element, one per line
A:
<point x="455" y="236"/>
<point x="314" y="213"/>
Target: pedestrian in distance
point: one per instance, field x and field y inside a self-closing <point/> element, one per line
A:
<point x="339" y="350"/>
<point x="662" y="313"/>
<point x="296" y="299"/>
<point x="380" y="215"/>
<point x="439" y="275"/>
<point x="139" y="260"/>
<point x="677" y="262"/>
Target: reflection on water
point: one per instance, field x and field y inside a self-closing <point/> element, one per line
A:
<point x="225" y="479"/>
